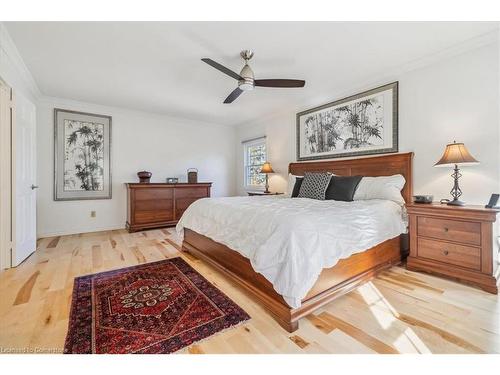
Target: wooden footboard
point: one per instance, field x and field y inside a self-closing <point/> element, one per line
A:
<point x="333" y="282"/>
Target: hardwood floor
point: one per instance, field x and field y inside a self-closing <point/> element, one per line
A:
<point x="399" y="312"/>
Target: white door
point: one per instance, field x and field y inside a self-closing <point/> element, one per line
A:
<point x="6" y="225"/>
<point x="25" y="180"/>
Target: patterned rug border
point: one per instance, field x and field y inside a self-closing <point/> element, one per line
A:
<point x="130" y="268"/>
<point x="72" y="316"/>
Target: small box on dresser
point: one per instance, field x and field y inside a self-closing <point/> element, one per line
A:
<point x="154" y="205"/>
<point x="454" y="241"/>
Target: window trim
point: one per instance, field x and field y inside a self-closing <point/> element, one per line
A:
<point x="246" y="145"/>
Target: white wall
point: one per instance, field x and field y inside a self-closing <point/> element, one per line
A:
<point x="456" y="98"/>
<point x="162" y="145"/>
<point x="13" y="70"/>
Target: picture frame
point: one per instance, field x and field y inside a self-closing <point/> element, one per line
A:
<point x="82" y="155"/>
<point x="361" y="124"/>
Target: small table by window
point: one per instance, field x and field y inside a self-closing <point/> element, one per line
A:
<point x="252" y="193"/>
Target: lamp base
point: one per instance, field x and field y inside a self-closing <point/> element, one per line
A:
<point x="267" y="186"/>
<point x="455" y="202"/>
<point x="456" y="192"/>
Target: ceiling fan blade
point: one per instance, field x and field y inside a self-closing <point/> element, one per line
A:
<point x="236" y="92"/>
<point x="222" y="68"/>
<point x="280" y="82"/>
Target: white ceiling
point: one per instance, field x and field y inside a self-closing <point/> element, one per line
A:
<point x="156" y="67"/>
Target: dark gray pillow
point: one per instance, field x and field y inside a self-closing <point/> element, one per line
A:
<point x="296" y="187"/>
<point x="342" y="188"/>
<point x="314" y="185"/>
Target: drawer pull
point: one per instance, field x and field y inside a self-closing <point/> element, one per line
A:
<point x="445" y="252"/>
<point x="446" y="229"/>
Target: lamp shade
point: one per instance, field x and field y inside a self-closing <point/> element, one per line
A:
<point x="266" y="168"/>
<point x="456" y="153"/>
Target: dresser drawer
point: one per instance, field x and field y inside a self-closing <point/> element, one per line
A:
<point x="149" y="217"/>
<point x="465" y="232"/>
<point x="460" y="255"/>
<point x="198" y="192"/>
<point x="153" y="194"/>
<point x="154" y="205"/>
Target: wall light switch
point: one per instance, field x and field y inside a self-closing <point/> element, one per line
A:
<point x="92" y="213"/>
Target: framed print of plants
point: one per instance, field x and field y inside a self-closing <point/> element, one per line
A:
<point x="362" y="124"/>
<point x="82" y="155"/>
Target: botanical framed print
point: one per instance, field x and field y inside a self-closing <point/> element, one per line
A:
<point x="82" y="155"/>
<point x="362" y="124"/>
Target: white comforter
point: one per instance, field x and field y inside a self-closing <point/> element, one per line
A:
<point x="290" y="241"/>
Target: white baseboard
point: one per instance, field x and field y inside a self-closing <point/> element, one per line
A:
<point x="79" y="230"/>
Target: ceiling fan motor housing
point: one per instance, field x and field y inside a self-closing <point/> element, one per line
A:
<point x="247" y="83"/>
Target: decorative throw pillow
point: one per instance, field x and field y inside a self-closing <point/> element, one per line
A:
<point x="314" y="185"/>
<point x="383" y="187"/>
<point x="296" y="187"/>
<point x="342" y="188"/>
<point x="291" y="182"/>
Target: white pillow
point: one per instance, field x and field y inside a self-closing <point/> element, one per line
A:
<point x="383" y="187"/>
<point x="291" y="183"/>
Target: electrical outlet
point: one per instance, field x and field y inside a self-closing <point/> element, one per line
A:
<point x="92" y="213"/>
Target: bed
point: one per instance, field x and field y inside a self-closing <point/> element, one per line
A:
<point x="288" y="301"/>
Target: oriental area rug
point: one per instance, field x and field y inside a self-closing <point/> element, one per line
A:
<point x="154" y="308"/>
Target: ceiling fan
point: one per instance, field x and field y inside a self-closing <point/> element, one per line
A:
<point x="246" y="80"/>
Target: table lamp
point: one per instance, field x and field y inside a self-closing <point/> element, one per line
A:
<point x="266" y="169"/>
<point x="456" y="154"/>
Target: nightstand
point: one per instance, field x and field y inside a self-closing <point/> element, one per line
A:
<point x="252" y="193"/>
<point x="454" y="241"/>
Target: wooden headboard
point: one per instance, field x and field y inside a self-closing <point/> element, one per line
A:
<point x="385" y="165"/>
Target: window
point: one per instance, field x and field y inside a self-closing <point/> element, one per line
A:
<point x="255" y="156"/>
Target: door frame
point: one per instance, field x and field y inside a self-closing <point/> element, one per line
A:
<point x="7" y="176"/>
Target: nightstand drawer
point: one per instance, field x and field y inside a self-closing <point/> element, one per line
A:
<point x="464" y="256"/>
<point x="466" y="232"/>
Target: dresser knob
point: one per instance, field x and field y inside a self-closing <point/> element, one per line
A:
<point x="445" y="252"/>
<point x="446" y="229"/>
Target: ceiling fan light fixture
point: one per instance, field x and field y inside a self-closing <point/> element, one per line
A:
<point x="246" y="84"/>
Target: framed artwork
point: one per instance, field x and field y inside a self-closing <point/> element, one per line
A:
<point x="362" y="124"/>
<point x="82" y="155"/>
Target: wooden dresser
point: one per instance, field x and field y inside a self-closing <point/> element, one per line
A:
<point x="454" y="241"/>
<point x="153" y="205"/>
